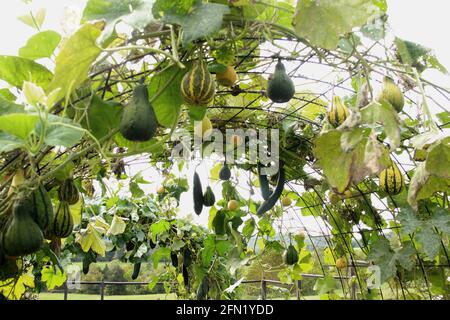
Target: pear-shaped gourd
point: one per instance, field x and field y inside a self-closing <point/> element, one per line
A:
<point x="392" y="94"/>
<point x="42" y="207"/>
<point x="23" y="236"/>
<point x="228" y="77"/>
<point x="208" y="197"/>
<point x="138" y="122"/>
<point x="280" y="88"/>
<point x="203" y="129"/>
<point x="225" y="173"/>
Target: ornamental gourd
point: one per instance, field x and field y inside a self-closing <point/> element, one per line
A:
<point x="273" y="198"/>
<point x="280" y="87"/>
<point x="392" y="94"/>
<point x="136" y="270"/>
<point x="225" y="173"/>
<point x="391" y="180"/>
<point x="291" y="256"/>
<point x="228" y="77"/>
<point x="62" y="225"/>
<point x="198" y="86"/>
<point x="209" y="198"/>
<point x="23" y="236"/>
<point x="263" y="184"/>
<point x="68" y="192"/>
<point x="42" y="207"/>
<point x="198" y="194"/>
<point x="338" y="112"/>
<point x="138" y="122"/>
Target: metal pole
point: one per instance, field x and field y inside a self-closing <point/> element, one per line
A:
<point x="263" y="289"/>
<point x="66" y="290"/>
<point x="102" y="290"/>
<point x="353" y="288"/>
<point x="299" y="288"/>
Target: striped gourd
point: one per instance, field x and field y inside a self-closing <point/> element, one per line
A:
<point x="62" y="225"/>
<point x="68" y="192"/>
<point x="338" y="112"/>
<point x="391" y="180"/>
<point x="42" y="207"/>
<point x="198" y="86"/>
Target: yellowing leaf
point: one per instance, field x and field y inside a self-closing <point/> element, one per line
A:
<point x="118" y="226"/>
<point x="90" y="239"/>
<point x="52" y="277"/>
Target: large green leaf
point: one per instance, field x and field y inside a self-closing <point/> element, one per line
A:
<point x="136" y="13"/>
<point x="102" y="117"/>
<point x="7" y="106"/>
<point x="388" y="259"/>
<point x="425" y="228"/>
<point x="16" y="70"/>
<point x="383" y="113"/>
<point x="323" y="22"/>
<point x="74" y="60"/>
<point x="162" y="7"/>
<point x="18" y="124"/>
<point x="62" y="132"/>
<point x="203" y="20"/>
<point x="438" y="160"/>
<point x="168" y="104"/>
<point x="9" y="142"/>
<point x="41" y="45"/>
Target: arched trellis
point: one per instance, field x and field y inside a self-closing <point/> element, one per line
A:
<point x="114" y="83"/>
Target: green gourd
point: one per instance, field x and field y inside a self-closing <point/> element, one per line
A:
<point x="291" y="256"/>
<point x="62" y="225"/>
<point x="174" y="259"/>
<point x="43" y="209"/>
<point x="263" y="184"/>
<point x="68" y="192"/>
<point x="138" y="122"/>
<point x="218" y="223"/>
<point x="198" y="194"/>
<point x="136" y="270"/>
<point x="203" y="289"/>
<point x="23" y="236"/>
<point x="392" y="94"/>
<point x="208" y="198"/>
<point x="280" y="87"/>
<point x="225" y="173"/>
<point x="272" y="200"/>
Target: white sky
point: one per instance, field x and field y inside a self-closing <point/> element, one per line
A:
<point x="423" y="22"/>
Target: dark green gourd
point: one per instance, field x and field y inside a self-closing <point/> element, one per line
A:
<point x="68" y="192"/>
<point x="136" y="270"/>
<point x="198" y="194"/>
<point x="280" y="87"/>
<point x="263" y="184"/>
<point x="272" y="200"/>
<point x="225" y="173"/>
<point x="42" y="207"/>
<point x="291" y="257"/>
<point x="23" y="236"/>
<point x="138" y="121"/>
<point x="208" y="197"/>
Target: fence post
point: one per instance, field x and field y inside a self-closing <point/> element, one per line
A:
<point x="102" y="290"/>
<point x="299" y="288"/>
<point x="263" y="289"/>
<point x="353" y="288"/>
<point x="66" y="290"/>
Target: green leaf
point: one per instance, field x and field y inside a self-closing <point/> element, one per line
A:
<point x="9" y="142"/>
<point x="197" y="113"/>
<point x="18" y="124"/>
<point x="209" y="248"/>
<point x="387" y="259"/>
<point x="324" y="22"/>
<point x="180" y="7"/>
<point x="178" y="244"/>
<point x="74" y="60"/>
<point x="7" y="96"/>
<point x="438" y="160"/>
<point x="158" y="228"/>
<point x="36" y="20"/>
<point x="16" y="70"/>
<point x="429" y="240"/>
<point x="385" y="114"/>
<point x="325" y="285"/>
<point x="135" y="13"/>
<point x="102" y="117"/>
<point x="41" y="45"/>
<point x="62" y="132"/>
<point x="159" y="254"/>
<point x="7" y="106"/>
<point x="203" y="20"/>
<point x="52" y="277"/>
<point x="249" y="227"/>
<point x="168" y="104"/>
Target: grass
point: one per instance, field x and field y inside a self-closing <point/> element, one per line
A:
<point x="77" y="296"/>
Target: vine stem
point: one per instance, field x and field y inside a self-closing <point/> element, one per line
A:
<point x="147" y="49"/>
